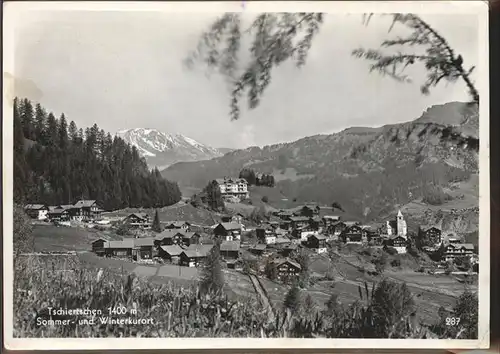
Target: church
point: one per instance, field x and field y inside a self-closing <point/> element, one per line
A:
<point x="398" y="226"/>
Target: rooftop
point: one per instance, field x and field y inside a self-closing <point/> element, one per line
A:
<point x="230" y="246"/>
<point x="230" y="226"/>
<point x="172" y="250"/>
<point x="84" y="203"/>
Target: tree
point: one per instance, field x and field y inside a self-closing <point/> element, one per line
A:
<point x="278" y="37"/>
<point x="463" y="263"/>
<point x="22" y="232"/>
<point x="336" y="205"/>
<point x="58" y="163"/>
<point x="156" y="227"/>
<point x="380" y="263"/>
<point x="467" y="310"/>
<point x="212" y="278"/>
<point x="292" y="299"/>
<point x="258" y="215"/>
<point x="439" y="59"/>
<point x="265" y="199"/>
<point x="270" y="270"/>
<point x="391" y="306"/>
<point x="309" y="307"/>
<point x="304" y="261"/>
<point x="333" y="305"/>
<point x="214" y="196"/>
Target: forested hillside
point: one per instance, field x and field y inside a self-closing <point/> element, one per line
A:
<point x="55" y="162"/>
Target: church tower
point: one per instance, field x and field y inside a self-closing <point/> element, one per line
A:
<point x="401" y="225"/>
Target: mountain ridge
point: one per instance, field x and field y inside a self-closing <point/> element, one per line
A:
<point x="368" y="170"/>
<point x="162" y="149"/>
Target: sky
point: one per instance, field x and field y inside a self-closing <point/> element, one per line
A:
<point x="125" y="70"/>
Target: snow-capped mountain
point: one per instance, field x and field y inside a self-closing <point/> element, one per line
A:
<point x="162" y="149"/>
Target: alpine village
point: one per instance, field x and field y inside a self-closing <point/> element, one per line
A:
<point x="237" y="257"/>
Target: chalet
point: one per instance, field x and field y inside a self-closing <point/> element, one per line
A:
<point x="177" y="225"/>
<point x="317" y="243"/>
<point x="303" y="233"/>
<point x="57" y="213"/>
<point x="98" y="246"/>
<point x="336" y="228"/>
<point x="454" y="250"/>
<point x="329" y="220"/>
<point x="310" y="210"/>
<point x="138" y="220"/>
<point x="266" y="235"/>
<point x="233" y="187"/>
<point x="433" y="234"/>
<point x="237" y="218"/>
<point x="257" y="249"/>
<point x="170" y="253"/>
<point x="286" y="249"/>
<point x="352" y="234"/>
<point x="143" y="248"/>
<point x="230" y="249"/>
<point x="193" y="257"/>
<point x="86" y="209"/>
<point x="166" y="238"/>
<point x="398" y="242"/>
<point x="228" y="231"/>
<point x="299" y="221"/>
<point x="37" y="211"/>
<point x="190" y="238"/>
<point x="287" y="270"/>
<point x="122" y="249"/>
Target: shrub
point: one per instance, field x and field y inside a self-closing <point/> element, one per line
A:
<point x="265" y="199"/>
<point x="183" y="312"/>
<point x="380" y="263"/>
<point x="396" y="263"/>
<point x="435" y="195"/>
<point x="212" y="278"/>
<point x="22" y="231"/>
<point x="292" y="299"/>
<point x="391" y="251"/>
<point x="123" y="230"/>
<point x="176" y="311"/>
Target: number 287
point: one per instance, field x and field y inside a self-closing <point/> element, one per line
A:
<point x="452" y="321"/>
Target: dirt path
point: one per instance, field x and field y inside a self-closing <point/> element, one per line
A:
<point x="262" y="295"/>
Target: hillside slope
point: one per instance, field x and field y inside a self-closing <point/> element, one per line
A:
<point x="367" y="170"/>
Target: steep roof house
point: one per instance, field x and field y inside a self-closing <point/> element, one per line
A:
<point x="230" y="249"/>
<point x="317" y="243"/>
<point x="88" y="209"/>
<point x="194" y="256"/>
<point x="179" y="225"/>
<point x="431" y="233"/>
<point x="228" y="231"/>
<point x="138" y="220"/>
<point x="352" y="234"/>
<point x="170" y="253"/>
<point x="37" y="211"/>
<point x="287" y="270"/>
<point x="398" y="242"/>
